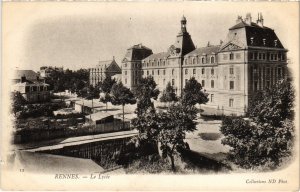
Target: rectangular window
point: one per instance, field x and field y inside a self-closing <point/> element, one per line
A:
<point x="203" y="83"/>
<point x="125" y="81"/>
<point x="231" y="85"/>
<point x="231" y="71"/>
<point x="279" y="72"/>
<point x="212" y="83"/>
<point x="194" y="71"/>
<point x="152" y="72"/>
<point x="27" y="89"/>
<point x="230" y="102"/>
<point x="164" y="72"/>
<point x="125" y="72"/>
<point x="255" y="85"/>
<point x="268" y="83"/>
<point x="212" y="98"/>
<point x="173" y="82"/>
<point x="158" y="72"/>
<point x="147" y="72"/>
<point x="203" y="71"/>
<point x="231" y="56"/>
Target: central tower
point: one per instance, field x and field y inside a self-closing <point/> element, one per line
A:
<point x="181" y="47"/>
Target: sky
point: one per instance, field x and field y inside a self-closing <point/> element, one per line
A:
<point x="78" y="35"/>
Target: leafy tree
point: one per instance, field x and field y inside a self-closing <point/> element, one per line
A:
<point x="273" y="105"/>
<point x="168" y="94"/>
<point x="144" y="92"/>
<point x="173" y="126"/>
<point x="121" y="95"/>
<point x="105" y="88"/>
<point x="266" y="138"/>
<point x="193" y="94"/>
<point x="18" y="102"/>
<point x="254" y="145"/>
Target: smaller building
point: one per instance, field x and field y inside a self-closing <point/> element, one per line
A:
<point x="105" y="122"/>
<point x="31" y="86"/>
<point x="86" y="106"/>
<point x="45" y="71"/>
<point x="104" y="69"/>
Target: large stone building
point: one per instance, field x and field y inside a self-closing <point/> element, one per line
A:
<point x="251" y="58"/>
<point x="104" y="69"/>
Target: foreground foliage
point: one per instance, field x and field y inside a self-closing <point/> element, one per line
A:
<point x="266" y="139"/>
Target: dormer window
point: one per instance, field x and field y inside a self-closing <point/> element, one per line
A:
<point x="264" y="41"/>
<point x="275" y="43"/>
<point x="194" y="60"/>
<point x="251" y="39"/>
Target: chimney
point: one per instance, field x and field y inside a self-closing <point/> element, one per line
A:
<point x="239" y="19"/>
<point x="208" y="44"/>
<point x="248" y="19"/>
<point x="260" y="20"/>
<point x="23" y="79"/>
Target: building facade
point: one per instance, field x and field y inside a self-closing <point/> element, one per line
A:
<point x="31" y="86"/>
<point x="251" y="59"/>
<point x="102" y="70"/>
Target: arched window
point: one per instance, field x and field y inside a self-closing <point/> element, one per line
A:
<point x="203" y="71"/>
<point x="194" y="60"/>
<point x="202" y="60"/>
<point x="158" y="62"/>
<point x="212" y="59"/>
<point x="172" y="71"/>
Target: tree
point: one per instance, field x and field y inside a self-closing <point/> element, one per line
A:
<point x="144" y="92"/>
<point x="18" y="102"/>
<point x="257" y="145"/>
<point x="193" y="94"/>
<point x="266" y="138"/>
<point x="273" y="105"/>
<point x="92" y="93"/>
<point x="173" y="125"/>
<point x="168" y="94"/>
<point x="105" y="88"/>
<point x="121" y="95"/>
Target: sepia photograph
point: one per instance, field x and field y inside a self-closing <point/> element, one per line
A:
<point x="158" y="96"/>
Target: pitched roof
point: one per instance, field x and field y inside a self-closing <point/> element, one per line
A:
<point x="205" y="50"/>
<point x="137" y="52"/>
<point x="244" y="24"/>
<point x="29" y="74"/>
<point x="104" y="64"/>
<point x="139" y="46"/>
<point x="154" y="56"/>
<point x="98" y="116"/>
<point x="259" y="34"/>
